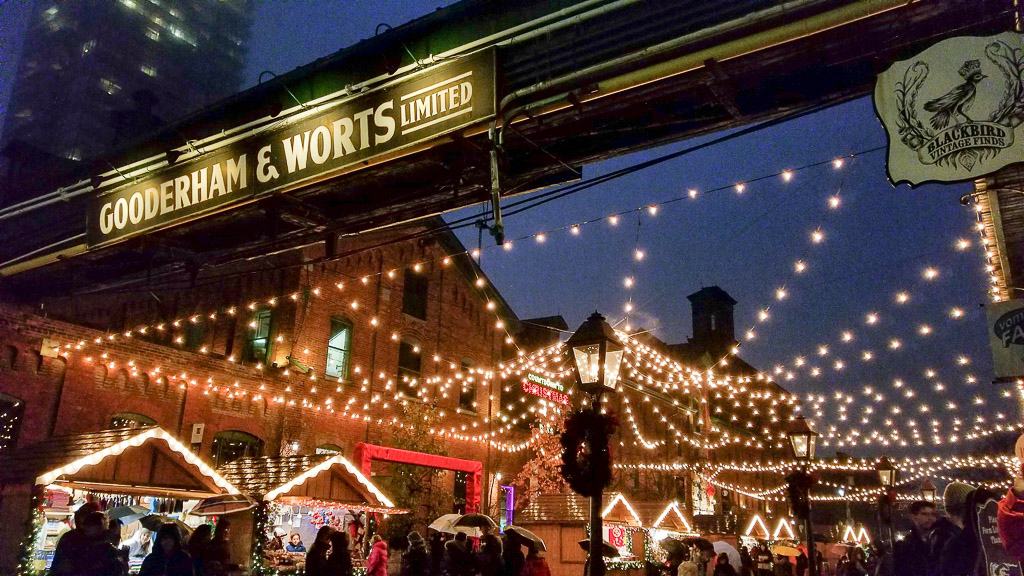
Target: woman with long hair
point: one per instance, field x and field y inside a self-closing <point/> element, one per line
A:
<point x="316" y="557"/>
<point x="339" y="563"/>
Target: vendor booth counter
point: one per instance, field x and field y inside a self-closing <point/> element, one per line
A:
<point x="41" y="485"/>
<point x="295" y="496"/>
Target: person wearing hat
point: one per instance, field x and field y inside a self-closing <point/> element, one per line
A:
<point x="918" y="553"/>
<point x="277" y="539"/>
<point x="960" y="555"/>
<point x="415" y="561"/>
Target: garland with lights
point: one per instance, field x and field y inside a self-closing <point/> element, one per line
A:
<point x="36" y="524"/>
<point x="587" y="472"/>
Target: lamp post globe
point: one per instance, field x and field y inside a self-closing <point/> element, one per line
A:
<point x="928" y="490"/>
<point x="887" y="472"/>
<point x="596" y="354"/>
<point x="802" y="439"/>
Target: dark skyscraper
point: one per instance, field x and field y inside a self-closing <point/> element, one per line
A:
<point x="95" y="74"/>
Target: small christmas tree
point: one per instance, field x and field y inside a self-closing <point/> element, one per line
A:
<point x="542" y="473"/>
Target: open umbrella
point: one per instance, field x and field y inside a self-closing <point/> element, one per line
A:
<point x="783" y="550"/>
<point x="127" y="514"/>
<point x="225" y="504"/>
<point x="475" y="520"/>
<point x="702" y="544"/>
<point x="445" y="523"/>
<point x="733" y="554"/>
<point x="153" y="522"/>
<point x="671" y="546"/>
<point x="607" y="550"/>
<point x="526" y="537"/>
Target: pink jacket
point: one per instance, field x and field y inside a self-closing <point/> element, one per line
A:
<point x="377" y="563"/>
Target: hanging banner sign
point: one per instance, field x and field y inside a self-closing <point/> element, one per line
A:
<point x="318" y="142"/>
<point x="954" y="111"/>
<point x="546" y="388"/>
<point x="997" y="562"/>
<point x="1006" y="337"/>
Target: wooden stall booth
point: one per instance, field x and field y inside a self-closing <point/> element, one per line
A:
<point x="295" y="496"/>
<point x="42" y="484"/>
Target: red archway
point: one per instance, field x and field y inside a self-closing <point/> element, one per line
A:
<point x="365" y="454"/>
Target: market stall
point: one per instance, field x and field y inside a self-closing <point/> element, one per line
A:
<point x="296" y="495"/>
<point x="669" y="525"/>
<point x="140" y="472"/>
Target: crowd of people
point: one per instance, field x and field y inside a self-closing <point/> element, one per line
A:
<point x="94" y="548"/>
<point x="759" y="560"/>
<point x="453" y="555"/>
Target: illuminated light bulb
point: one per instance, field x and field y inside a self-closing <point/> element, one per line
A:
<point x="787" y="175"/>
<point x="847" y="336"/>
<point x="446" y="261"/>
<point x="628" y="282"/>
<point x="822" y="350"/>
<point x="638" y="255"/>
<point x="799" y="266"/>
<point x="962" y="244"/>
<point x="751" y="335"/>
<point x="871" y="318"/>
<point x="652" y="209"/>
<point x="354" y="305"/>
<point x="541" y="238"/>
<point x="817" y="236"/>
<point x="613" y="220"/>
<point x="374" y="321"/>
<point x="628" y="307"/>
<point x="574" y="230"/>
<point x="963" y="360"/>
<point x="499" y="324"/>
<point x="365" y="279"/>
<point x="839" y="365"/>
<point x="956" y="313"/>
<point x="895" y="344"/>
<point x="508" y="340"/>
<point x="902" y="297"/>
<point x="490" y="305"/>
<point x="741" y="188"/>
<point x="692" y="193"/>
<point x="834" y="202"/>
<point x="417" y="267"/>
<point x="924" y="330"/>
<point x="867" y="356"/>
<point x="480" y="282"/>
<point x="780" y="293"/>
<point x="837" y="163"/>
<point x="930" y="273"/>
<point x="507" y="246"/>
<point x="929" y="373"/>
<point x="763" y="316"/>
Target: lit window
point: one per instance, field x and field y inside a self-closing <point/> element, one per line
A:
<point x="258" y="345"/>
<point x="329" y="449"/>
<point x="11" y="412"/>
<point x="109" y="86"/>
<point x="408" y="368"/>
<point x="51" y="12"/>
<point x="130" y="4"/>
<point x="231" y="445"/>
<point x="87" y="46"/>
<point x="73" y="154"/>
<point x="152" y="34"/>
<point x="148" y="70"/>
<point x="339" y="349"/>
<point x="131" y="420"/>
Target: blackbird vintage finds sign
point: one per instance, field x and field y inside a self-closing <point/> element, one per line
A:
<point x="308" y="146"/>
<point x="954" y="111"/>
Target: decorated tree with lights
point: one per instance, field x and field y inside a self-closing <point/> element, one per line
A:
<point x="542" y="472"/>
<point x="417" y="488"/>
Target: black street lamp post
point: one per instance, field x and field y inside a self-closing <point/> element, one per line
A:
<point x="802" y="440"/>
<point x="928" y="490"/>
<point x="597" y="356"/>
<point x="888" y="475"/>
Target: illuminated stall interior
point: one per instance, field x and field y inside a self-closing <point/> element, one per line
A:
<point x="301" y="493"/>
<point x="43" y="484"/>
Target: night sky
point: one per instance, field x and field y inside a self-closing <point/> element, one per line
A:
<point x="877" y="243"/>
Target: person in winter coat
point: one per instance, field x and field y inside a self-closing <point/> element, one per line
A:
<point x="339" y="562"/>
<point x="168" y="557"/>
<point x="458" y="557"/>
<point x="197" y="544"/>
<point x="90" y="554"/>
<point x="377" y="561"/>
<point x="1010" y="520"/>
<point x="961" y="554"/>
<point x="514" y="560"/>
<point x="216" y="557"/>
<point x="316" y="557"/>
<point x="746" y="562"/>
<point x="535" y="565"/>
<point x="488" y="560"/>
<point x="71" y="542"/>
<point x="723" y="567"/>
<point x="782" y="566"/>
<point x="801" y="564"/>
<point x="436" y="554"/>
<point x="415" y="561"/>
<point x="918" y="553"/>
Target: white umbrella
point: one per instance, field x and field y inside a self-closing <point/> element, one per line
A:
<point x="446" y="525"/>
<point x="732" y="553"/>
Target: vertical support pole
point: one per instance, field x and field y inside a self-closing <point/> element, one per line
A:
<point x="812" y="552"/>
<point x="498" y="229"/>
<point x="596" y="523"/>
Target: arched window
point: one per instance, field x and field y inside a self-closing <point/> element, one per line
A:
<point x="329" y="449"/>
<point x="230" y="445"/>
<point x="11" y="412"/>
<point x="130" y="420"/>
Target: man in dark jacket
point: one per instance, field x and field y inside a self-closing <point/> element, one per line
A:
<point x="415" y="561"/>
<point x="918" y="553"/>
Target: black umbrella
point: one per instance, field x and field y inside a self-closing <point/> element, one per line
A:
<point x="526" y="537"/>
<point x="153" y="522"/>
<point x="702" y="544"/>
<point x="607" y="549"/>
<point x="671" y="546"/>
